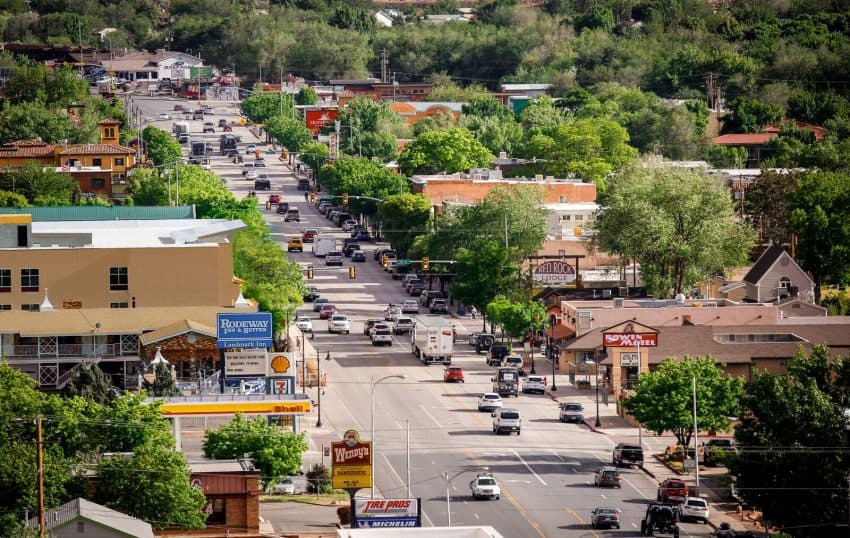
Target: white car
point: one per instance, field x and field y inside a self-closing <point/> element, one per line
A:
<point x="409" y="306"/>
<point x="285" y="486"/>
<point x="163" y="116"/>
<point x="694" y="508"/>
<point x="304" y="323"/>
<point x="485" y="487"/>
<point x="339" y="324"/>
<point x="251" y="174"/>
<point x="349" y="225"/>
<point x="489" y="401"/>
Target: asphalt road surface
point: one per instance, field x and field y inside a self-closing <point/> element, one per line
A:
<point x="546" y="473"/>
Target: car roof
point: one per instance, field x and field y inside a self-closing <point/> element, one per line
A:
<point x="609" y="468"/>
<point x="486" y="394"/>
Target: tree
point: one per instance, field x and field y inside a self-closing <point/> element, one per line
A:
<point x="516" y="314"/>
<point x="154" y="485"/>
<point x="483" y="273"/>
<point x="766" y="202"/>
<point x="288" y="132"/>
<point x="750" y="116"/>
<point x="727" y="157"/>
<point x="794" y="475"/>
<point x="448" y="151"/>
<point x="403" y="217"/>
<point x="678" y="224"/>
<point x="162" y="148"/>
<point x="541" y="113"/>
<point x="261" y="107"/>
<point x="12" y="199"/>
<point x="31" y="120"/>
<point x="35" y="181"/>
<point x="306" y="96"/>
<point x="820" y="209"/>
<point x="361" y="177"/>
<point x="275" y="451"/>
<point x="33" y="82"/>
<point x="496" y="133"/>
<point x="369" y="129"/>
<point x="663" y="399"/>
<point x="163" y="383"/>
<point x="314" y="154"/>
<point x="90" y="383"/>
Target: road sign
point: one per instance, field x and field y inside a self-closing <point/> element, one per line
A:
<point x="351" y="461"/>
<point x="248" y="330"/>
<point x="203" y="72"/>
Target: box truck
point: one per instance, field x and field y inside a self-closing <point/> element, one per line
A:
<point x="323" y="244"/>
<point x="180" y="128"/>
<point x="432" y="339"/>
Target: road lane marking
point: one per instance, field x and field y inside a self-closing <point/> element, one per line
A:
<point x="527" y="466"/>
<point x="430" y="416"/>
<point x="641" y="493"/>
<point x="558" y="456"/>
<point x="580" y="520"/>
<point x="394" y="472"/>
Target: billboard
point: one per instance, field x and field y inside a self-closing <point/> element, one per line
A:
<point x="554" y="272"/>
<point x="245" y="363"/>
<point x="318" y="119"/>
<point x="248" y="330"/>
<point x="629" y="339"/>
<point x="385" y="513"/>
<point x="203" y="72"/>
<point x="351" y="461"/>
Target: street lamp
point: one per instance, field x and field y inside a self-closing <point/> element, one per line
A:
<point x="598" y="423"/>
<point x="549" y="349"/>
<point x="448" y="495"/>
<point x="319" y="384"/>
<point x="372" y="383"/>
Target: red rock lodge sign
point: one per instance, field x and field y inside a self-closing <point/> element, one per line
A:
<point x="554" y="273"/>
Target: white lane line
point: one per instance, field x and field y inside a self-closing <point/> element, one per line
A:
<point x="431" y="523"/>
<point x="390" y="465"/>
<point x="641" y="493"/>
<point x="430" y="416"/>
<point x="558" y="456"/>
<point x="527" y="466"/>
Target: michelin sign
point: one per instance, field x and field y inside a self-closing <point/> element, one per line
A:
<point x="252" y="330"/>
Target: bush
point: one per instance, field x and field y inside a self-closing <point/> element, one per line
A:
<point x="318" y="479"/>
<point x="344" y="515"/>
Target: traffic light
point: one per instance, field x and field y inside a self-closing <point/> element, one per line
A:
<point x="309" y="272"/>
<point x="385" y="261"/>
<point x="352" y="272"/>
<point x="312" y="197"/>
<point x="426" y="263"/>
<point x="345" y="198"/>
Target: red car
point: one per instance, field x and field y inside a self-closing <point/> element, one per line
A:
<point x="309" y="235"/>
<point x="672" y="489"/>
<point x="274" y="198"/>
<point x="327" y="311"/>
<point x="453" y="374"/>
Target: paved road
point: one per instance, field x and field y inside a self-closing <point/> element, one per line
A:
<point x="546" y="473"/>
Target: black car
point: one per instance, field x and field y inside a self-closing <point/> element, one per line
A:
<point x="349" y="248"/>
<point x="363" y="235"/>
<point x="358" y="256"/>
<point x="627" y="455"/>
<point x="231" y="153"/>
<point x="282" y="208"/>
<point x="415" y="290"/>
<point x="303" y="184"/>
<point x="311" y="295"/>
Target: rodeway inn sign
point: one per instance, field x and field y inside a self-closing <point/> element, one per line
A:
<point x="252" y="330"/>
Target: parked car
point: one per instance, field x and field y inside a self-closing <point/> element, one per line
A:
<point x="284" y="486"/>
<point x="604" y="517"/>
<point x="439" y="306"/>
<point x="672" y="489"/>
<point x="348" y="225"/>
<point x="694" y="508"/>
<point x="163" y="116"/>
<point x="339" y="324"/>
<point x="358" y="256"/>
<point x="453" y="374"/>
<point x="318" y="302"/>
<point x="295" y="244"/>
<point x="304" y="323"/>
<point x="403" y="325"/>
<point x="570" y="412"/>
<point x="415" y="290"/>
<point x="409" y="306"/>
<point x="326" y="311"/>
<point x="363" y="235"/>
<point x="607" y="476"/>
<point x="489" y="401"/>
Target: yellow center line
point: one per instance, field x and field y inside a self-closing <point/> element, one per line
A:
<point x="580" y="520"/>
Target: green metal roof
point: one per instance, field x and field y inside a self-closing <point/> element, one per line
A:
<point x="118" y="212"/>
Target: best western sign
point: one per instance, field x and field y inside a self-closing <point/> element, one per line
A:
<point x="351" y="459"/>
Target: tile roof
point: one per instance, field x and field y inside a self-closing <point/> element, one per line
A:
<point x="763" y="264"/>
<point x="27" y="149"/>
<point x="746" y="139"/>
<point x="176" y="329"/>
<point x="101" y="515"/>
<point x="96" y="149"/>
<point x="109" y="121"/>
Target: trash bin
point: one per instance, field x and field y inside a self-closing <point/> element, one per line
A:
<point x="461" y="310"/>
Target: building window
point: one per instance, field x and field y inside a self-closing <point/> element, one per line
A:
<point x="565" y="217"/>
<point x="29" y="279"/>
<point x="98" y="183"/>
<point x="97" y="161"/>
<point x="109" y="132"/>
<point x="119" y="305"/>
<point x="785" y="283"/>
<point x="5" y="280"/>
<point x="5" y="307"/>
<point x="579" y="217"/>
<point x="119" y="161"/>
<point x="118" y="280"/>
<point x="562" y="199"/>
<point x="30" y="307"/>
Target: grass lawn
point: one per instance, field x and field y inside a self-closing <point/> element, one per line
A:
<point x="325" y="499"/>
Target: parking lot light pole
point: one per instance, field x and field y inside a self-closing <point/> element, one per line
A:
<point x="372" y="383"/>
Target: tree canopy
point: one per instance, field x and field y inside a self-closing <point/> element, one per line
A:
<point x="404" y="217"/>
<point x="448" y="150"/>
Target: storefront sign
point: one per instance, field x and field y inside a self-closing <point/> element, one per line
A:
<point x="249" y="330"/>
<point x="554" y="272"/>
<point x="245" y="363"/>
<point x="282" y="384"/>
<point x="629" y="359"/>
<point x="387" y="513"/>
<point x="316" y="120"/>
<point x="351" y="459"/>
<point x="281" y="364"/>
<point x="629" y="339"/>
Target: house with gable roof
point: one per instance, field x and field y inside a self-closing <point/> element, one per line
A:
<point x="776" y="277"/>
<point x="81" y="517"/>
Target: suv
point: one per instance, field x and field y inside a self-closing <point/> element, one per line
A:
<point x="485" y="487"/>
<point x="381" y="335"/>
<point x="495" y="354"/>
<point x="489" y="401"/>
<point x="403" y="325"/>
<point x="570" y="412"/>
<point x="368" y="324"/>
<point x="694" y="508"/>
<point x="626" y="454"/>
<point x="453" y="373"/>
<point x="660" y="517"/>
<point x="209" y="127"/>
<point x="292" y="215"/>
<point x="339" y="324"/>
<point x="607" y="476"/>
<point x="672" y="489"/>
<point x="439" y="306"/>
<point x="506" y="420"/>
<point x="295" y="244"/>
<point x="333" y="258"/>
<point x="303" y="184"/>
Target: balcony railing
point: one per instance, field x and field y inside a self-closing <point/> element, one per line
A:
<point x="71" y="350"/>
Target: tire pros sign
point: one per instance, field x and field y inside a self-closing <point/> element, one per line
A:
<point x="377" y="513"/>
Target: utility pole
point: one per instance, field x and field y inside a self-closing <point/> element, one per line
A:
<point x="709" y="90"/>
<point x="39" y="440"/>
<point x="385" y="58"/>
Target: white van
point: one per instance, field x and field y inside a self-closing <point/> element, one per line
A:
<point x="506" y="420"/>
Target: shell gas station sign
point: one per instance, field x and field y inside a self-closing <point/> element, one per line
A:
<point x="351" y="461"/>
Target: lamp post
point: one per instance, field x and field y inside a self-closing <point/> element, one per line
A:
<point x="319" y="386"/>
<point x="598" y="423"/>
<point x="696" y="433"/>
<point x="372" y="383"/>
<point x="550" y="351"/>
<point x="448" y="494"/>
<point x="531" y="322"/>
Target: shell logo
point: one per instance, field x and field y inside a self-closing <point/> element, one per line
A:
<point x="280" y="364"/>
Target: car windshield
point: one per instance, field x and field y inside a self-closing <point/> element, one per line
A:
<point x="606" y="510"/>
<point x="303" y="318"/>
<point x="486" y="482"/>
<point x="492" y="397"/>
<point x="382" y="332"/>
<point x="328" y="307"/>
<point x="699" y="503"/>
<point x="510" y="416"/>
<point x="572" y="407"/>
<point x="610" y="474"/>
<point x="339" y="318"/>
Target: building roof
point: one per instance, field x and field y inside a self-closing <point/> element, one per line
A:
<point x="745" y="139"/>
<point x="109" y="121"/>
<point x="524" y="87"/>
<point x="176" y="329"/>
<point x="112" y="213"/>
<point x="101" y="515"/>
<point x="27" y="149"/>
<point x="97" y="149"/>
<point x="764" y="263"/>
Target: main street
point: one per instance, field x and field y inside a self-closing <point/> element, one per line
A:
<point x="546" y="473"/>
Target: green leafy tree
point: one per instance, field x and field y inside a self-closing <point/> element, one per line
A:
<point x="306" y="96"/>
<point x="315" y="155"/>
<point x="163" y="383"/>
<point x="496" y="133"/>
<point x="361" y="177"/>
<point x="663" y="399"/>
<point x="820" y="209"/>
<point x="275" y="451"/>
<point x="30" y="120"/>
<point x="37" y="181"/>
<point x="404" y="217"/>
<point x="288" y="132"/>
<point x="369" y="129"/>
<point x="750" y="116"/>
<point x="678" y="224"/>
<point x="154" y="486"/>
<point x="444" y="89"/>
<point x="91" y="383"/>
<point x="541" y="113"/>
<point x="449" y="151"/>
<point x="483" y="273"/>
<point x="12" y="199"/>
<point x="727" y="157"/>
<point x="766" y="202"/>
<point x="30" y="82"/>
<point x="162" y="148"/>
<point x="516" y="314"/>
<point x="261" y="107"/>
<point x="793" y="474"/>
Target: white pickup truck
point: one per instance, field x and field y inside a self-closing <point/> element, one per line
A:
<point x="534" y="383"/>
